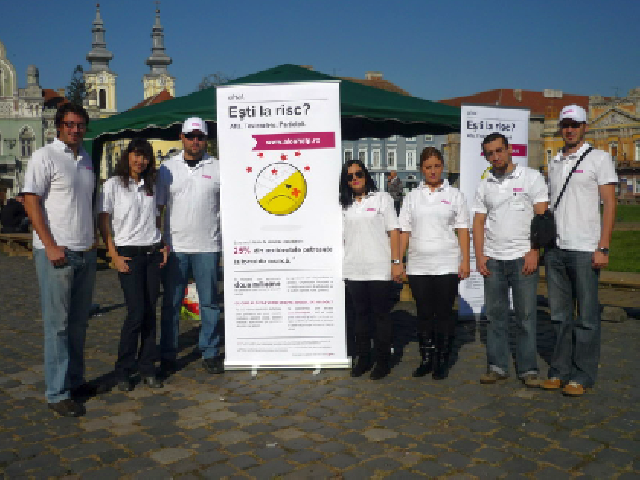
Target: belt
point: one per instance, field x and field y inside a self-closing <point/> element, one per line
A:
<point x="134" y="250"/>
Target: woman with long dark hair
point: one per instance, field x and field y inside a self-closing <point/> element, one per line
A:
<point x="127" y="222"/>
<point x="430" y="217"/>
<point x="371" y="262"/>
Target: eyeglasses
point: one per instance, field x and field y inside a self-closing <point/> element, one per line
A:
<point x="571" y="125"/>
<point x="70" y="125"/>
<point x="195" y="136"/>
<point x="358" y="174"/>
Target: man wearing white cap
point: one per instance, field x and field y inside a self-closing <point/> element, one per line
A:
<point x="189" y="194"/>
<point x="573" y="267"/>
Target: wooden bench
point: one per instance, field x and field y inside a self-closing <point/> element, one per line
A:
<point x="17" y="244"/>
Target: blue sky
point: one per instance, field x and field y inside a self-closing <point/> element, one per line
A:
<point x="434" y="50"/>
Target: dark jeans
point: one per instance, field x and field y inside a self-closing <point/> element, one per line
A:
<point x="141" y="287"/>
<point x="372" y="303"/>
<point x="434" y="296"/>
<point x="571" y="279"/>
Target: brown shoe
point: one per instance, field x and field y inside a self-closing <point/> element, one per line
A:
<point x="553" y="383"/>
<point x="492" y="377"/>
<point x="573" y="389"/>
<point x="532" y="380"/>
<point x="67" y="408"/>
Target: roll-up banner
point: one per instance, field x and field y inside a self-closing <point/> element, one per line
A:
<point x="478" y="121"/>
<point x="280" y="161"/>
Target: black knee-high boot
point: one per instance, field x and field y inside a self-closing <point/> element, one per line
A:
<point x="427" y="352"/>
<point x="444" y="344"/>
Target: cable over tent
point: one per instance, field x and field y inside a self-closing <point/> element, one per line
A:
<point x="366" y="112"/>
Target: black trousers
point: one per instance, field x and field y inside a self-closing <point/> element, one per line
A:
<point x="141" y="287"/>
<point x="372" y="303"/>
<point x="434" y="296"/>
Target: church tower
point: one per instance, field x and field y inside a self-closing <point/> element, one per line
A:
<point x="100" y="81"/>
<point x="158" y="78"/>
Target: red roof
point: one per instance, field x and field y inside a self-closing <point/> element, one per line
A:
<point x="52" y="98"/>
<point x="163" y="96"/>
<point x="537" y="102"/>
<point x="379" y="83"/>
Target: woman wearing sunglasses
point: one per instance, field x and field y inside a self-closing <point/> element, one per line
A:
<point x="127" y="204"/>
<point x="436" y="260"/>
<point x="371" y="262"/>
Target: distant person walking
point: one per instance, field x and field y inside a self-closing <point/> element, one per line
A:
<point x="14" y="217"/>
<point x="583" y="243"/>
<point x="395" y="189"/>
<point x="59" y="185"/>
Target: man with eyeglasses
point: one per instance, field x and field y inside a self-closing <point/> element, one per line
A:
<point x="59" y="185"/>
<point x="583" y="240"/>
<point x="189" y="194"/>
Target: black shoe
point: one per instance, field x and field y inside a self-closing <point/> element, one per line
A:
<point x="443" y="352"/>
<point x="427" y="354"/>
<point x="152" y="382"/>
<point x="67" y="408"/>
<point x="381" y="370"/>
<point x="85" y="390"/>
<point x="125" y="385"/>
<point x="361" y="366"/>
<point x="167" y="367"/>
<point x="214" y="365"/>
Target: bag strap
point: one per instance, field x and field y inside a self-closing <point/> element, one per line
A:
<point x="564" y="187"/>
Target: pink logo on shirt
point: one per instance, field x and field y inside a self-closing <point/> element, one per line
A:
<point x="371" y="209"/>
<point x="518" y="189"/>
<point x="579" y="171"/>
<point x="444" y="201"/>
<point x="206" y="176"/>
<point x="89" y="168"/>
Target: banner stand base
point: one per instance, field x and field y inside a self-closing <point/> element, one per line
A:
<point x="316" y="367"/>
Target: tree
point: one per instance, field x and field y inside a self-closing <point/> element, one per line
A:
<point x="77" y="89"/>
<point x="214" y="79"/>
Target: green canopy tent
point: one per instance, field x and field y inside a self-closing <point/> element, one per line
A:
<point x="366" y="112"/>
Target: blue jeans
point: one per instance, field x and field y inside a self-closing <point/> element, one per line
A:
<point x="505" y="274"/>
<point x="571" y="278"/>
<point x="204" y="267"/>
<point x="65" y="297"/>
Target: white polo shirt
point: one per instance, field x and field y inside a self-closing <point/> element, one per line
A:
<point x="508" y="203"/>
<point x="192" y="200"/>
<point x="432" y="217"/>
<point x="367" y="248"/>
<point x="133" y="212"/>
<point x="65" y="185"/>
<point x="578" y="213"/>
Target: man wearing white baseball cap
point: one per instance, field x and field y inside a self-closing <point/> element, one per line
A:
<point x="586" y="176"/>
<point x="189" y="196"/>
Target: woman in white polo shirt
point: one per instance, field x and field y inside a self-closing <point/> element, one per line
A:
<point x="436" y="260"/>
<point x="371" y="262"/>
<point x="128" y="203"/>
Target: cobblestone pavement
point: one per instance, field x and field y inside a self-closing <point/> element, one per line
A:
<point x="294" y="424"/>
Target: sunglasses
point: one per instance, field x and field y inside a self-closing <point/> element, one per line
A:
<point x="195" y="136"/>
<point x="571" y="125"/>
<point x="71" y="125"/>
<point x="358" y="174"/>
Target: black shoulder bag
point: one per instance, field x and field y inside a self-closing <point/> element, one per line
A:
<point x="543" y="226"/>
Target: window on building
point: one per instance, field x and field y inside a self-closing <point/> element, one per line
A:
<point x="348" y="155"/>
<point x="428" y="138"/>
<point x="103" y="98"/>
<point x="613" y="150"/>
<point x="410" y="139"/>
<point x="26" y="142"/>
<point x="391" y="158"/>
<point x="549" y="156"/>
<point x="375" y="158"/>
<point x="637" y="185"/>
<point x="362" y="156"/>
<point x="637" y="157"/>
<point x="393" y="138"/>
<point x="411" y="160"/>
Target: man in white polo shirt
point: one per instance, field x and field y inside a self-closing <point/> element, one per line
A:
<point x="189" y="193"/>
<point x="506" y="200"/>
<point x="583" y="249"/>
<point x="59" y="185"/>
